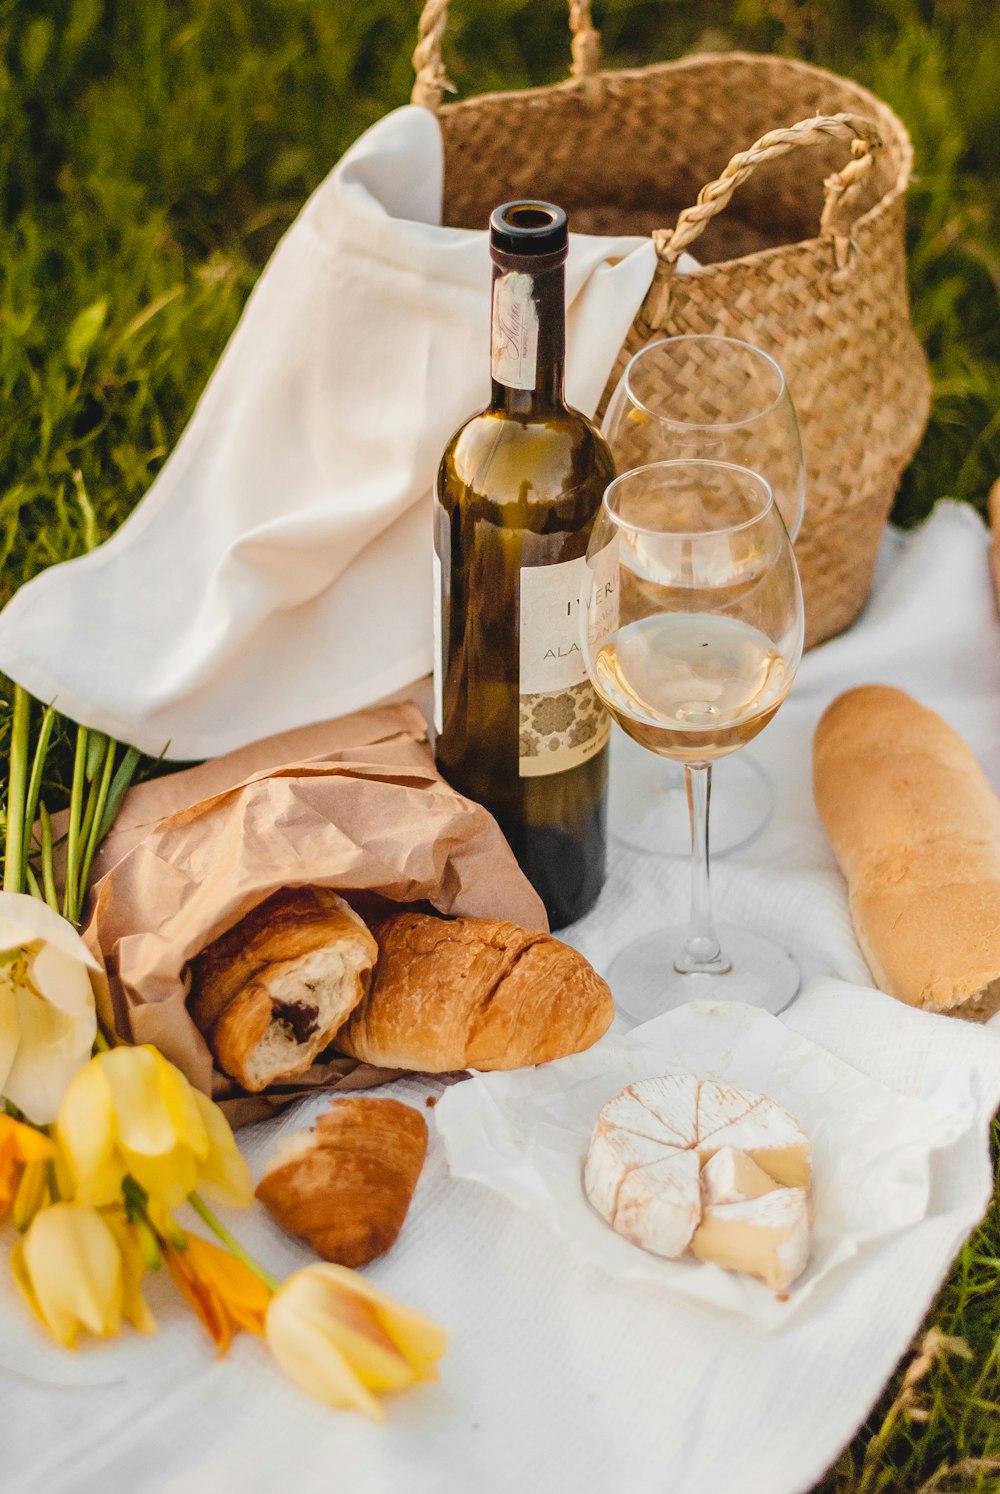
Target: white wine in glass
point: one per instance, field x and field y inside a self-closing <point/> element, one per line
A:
<point x="691" y="628"/>
<point x="716" y="399"/>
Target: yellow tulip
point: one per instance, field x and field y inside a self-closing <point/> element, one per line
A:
<point x="135" y="1308"/>
<point x="131" y="1112"/>
<point x="24" y="1152"/>
<point x="224" y="1292"/>
<point x="339" y="1338"/>
<point x="47" y="1017"/>
<point x="69" y="1268"/>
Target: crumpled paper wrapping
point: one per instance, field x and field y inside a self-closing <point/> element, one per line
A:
<point x="525" y="1135"/>
<point x="354" y="804"/>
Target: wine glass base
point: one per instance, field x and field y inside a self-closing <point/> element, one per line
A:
<point x="645" y="984"/>
<point x="648" y="809"/>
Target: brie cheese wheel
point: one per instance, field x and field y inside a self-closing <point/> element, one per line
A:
<point x="732" y="1177"/>
<point x="766" y="1237"/>
<point x="670" y="1156"/>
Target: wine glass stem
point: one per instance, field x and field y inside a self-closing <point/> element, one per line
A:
<point x="701" y="953"/>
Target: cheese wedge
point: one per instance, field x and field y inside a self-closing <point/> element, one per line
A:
<point x="770" y="1137"/>
<point x="612" y="1156"/>
<point x="721" y="1105"/>
<point x="659" y="1206"/>
<point x="732" y="1177"/>
<point x="766" y="1237"/>
<point x="664" y="1109"/>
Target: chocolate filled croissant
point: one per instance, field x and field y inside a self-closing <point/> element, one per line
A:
<point x="269" y="994"/>
<point x="346" y="1185"/>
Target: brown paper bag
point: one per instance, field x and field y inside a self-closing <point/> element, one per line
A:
<point x="354" y="804"/>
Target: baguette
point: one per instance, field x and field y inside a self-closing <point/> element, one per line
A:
<point x="270" y="993"/>
<point x="470" y="993"/>
<point x="915" y="827"/>
<point x="346" y="1186"/>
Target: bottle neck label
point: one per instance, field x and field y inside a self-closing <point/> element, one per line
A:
<point x="515" y="331"/>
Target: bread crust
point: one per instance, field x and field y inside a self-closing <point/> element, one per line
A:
<point x="915" y="826"/>
<point x="474" y="993"/>
<point x="346" y="1186"/>
<point x="269" y="994"/>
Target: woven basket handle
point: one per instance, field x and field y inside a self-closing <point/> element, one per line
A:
<point x="432" y="80"/>
<point x="864" y="138"/>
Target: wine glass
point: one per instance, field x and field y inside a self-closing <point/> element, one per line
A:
<point x="723" y="400"/>
<point x="691" y="630"/>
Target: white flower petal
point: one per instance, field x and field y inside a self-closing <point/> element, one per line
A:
<point x="62" y="980"/>
<point x="9" y="1031"/>
<point x="27" y="920"/>
<point x="53" y="1045"/>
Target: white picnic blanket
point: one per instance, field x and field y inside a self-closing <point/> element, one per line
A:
<point x="560" y="1376"/>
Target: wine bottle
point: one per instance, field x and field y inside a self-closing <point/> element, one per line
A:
<point x="519" y="726"/>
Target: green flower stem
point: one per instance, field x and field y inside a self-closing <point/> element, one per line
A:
<point x="86" y="823"/>
<point x="94" y="832"/>
<point x="31" y="883"/>
<point x="48" y="871"/>
<point x="75" y="817"/>
<point x="120" y="785"/>
<point x="35" y="784"/>
<point x="13" y="861"/>
<point x="231" y="1243"/>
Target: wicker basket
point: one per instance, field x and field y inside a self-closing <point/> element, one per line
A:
<point x="630" y="151"/>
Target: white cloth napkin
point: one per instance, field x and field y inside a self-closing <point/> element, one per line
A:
<point x="559" y="1376"/>
<point x="278" y="571"/>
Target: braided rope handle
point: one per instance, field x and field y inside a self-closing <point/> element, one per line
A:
<point x="432" y="80"/>
<point x="713" y="198"/>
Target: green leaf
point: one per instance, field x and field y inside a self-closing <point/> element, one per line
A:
<point x="84" y="331"/>
<point x="36" y="43"/>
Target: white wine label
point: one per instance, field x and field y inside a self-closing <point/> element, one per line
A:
<point x="562" y="722"/>
<point x="560" y="731"/>
<point x="438" y="648"/>
<point x="515" y="331"/>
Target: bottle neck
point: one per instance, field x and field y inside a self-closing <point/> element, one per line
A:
<point x="528" y="346"/>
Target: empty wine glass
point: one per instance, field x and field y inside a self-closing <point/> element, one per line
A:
<point x="718" y="399"/>
<point x="691" y="629"/>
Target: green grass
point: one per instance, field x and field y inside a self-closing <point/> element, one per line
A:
<point x="152" y="152"/>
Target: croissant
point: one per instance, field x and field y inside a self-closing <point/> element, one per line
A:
<point x="346" y="1185"/>
<point x="269" y="994"/>
<point x="473" y="993"/>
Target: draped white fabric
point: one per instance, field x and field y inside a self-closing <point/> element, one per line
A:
<point x="278" y="571"/>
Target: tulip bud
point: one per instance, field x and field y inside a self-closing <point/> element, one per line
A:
<point x="339" y="1338"/>
<point x="69" y="1268"/>
<point x="130" y="1112"/>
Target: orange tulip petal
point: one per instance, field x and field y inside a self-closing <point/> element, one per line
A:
<point x="225" y="1294"/>
<point x="8" y="1173"/>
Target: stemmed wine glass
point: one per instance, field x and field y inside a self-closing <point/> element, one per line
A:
<point x="718" y="399"/>
<point x="691" y="629"/>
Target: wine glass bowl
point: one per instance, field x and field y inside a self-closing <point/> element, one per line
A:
<point x="717" y="399"/>
<point x="691" y="631"/>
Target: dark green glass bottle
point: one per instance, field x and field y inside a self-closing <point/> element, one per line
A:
<point x="519" y="727"/>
